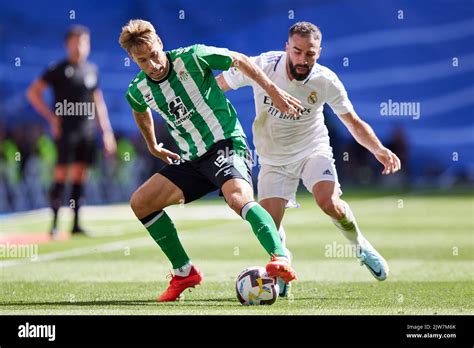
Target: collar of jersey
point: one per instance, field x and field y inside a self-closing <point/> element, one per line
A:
<point x="167" y="75"/>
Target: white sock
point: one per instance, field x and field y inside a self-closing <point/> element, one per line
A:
<point x="282" y="233"/>
<point x="184" y="270"/>
<point x="348" y="226"/>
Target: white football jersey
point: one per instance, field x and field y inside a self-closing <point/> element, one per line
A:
<point x="279" y="138"/>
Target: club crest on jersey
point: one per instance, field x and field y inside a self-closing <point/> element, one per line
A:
<point x="313" y="97"/>
<point x="183" y="75"/>
<point x="69" y="71"/>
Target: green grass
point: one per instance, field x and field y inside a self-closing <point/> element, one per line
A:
<point x="427" y="241"/>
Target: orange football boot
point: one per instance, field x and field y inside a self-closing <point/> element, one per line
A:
<point x="178" y="284"/>
<point x="280" y="267"/>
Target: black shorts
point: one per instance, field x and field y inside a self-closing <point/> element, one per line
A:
<point x="227" y="159"/>
<point x="74" y="148"/>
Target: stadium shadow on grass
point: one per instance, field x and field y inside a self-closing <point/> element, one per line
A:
<point x="82" y="303"/>
<point x="115" y="302"/>
<point x="190" y="302"/>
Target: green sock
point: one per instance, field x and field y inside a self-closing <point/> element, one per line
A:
<point x="264" y="228"/>
<point x="165" y="235"/>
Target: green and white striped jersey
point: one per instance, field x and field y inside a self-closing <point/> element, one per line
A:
<point x="195" y="109"/>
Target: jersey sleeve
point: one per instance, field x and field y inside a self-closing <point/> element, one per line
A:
<point x="266" y="61"/>
<point x="136" y="102"/>
<point x="214" y="57"/>
<point x="235" y="78"/>
<point x="50" y="74"/>
<point x="337" y="98"/>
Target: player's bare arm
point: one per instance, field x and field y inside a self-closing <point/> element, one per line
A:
<point x="110" y="146"/>
<point x="35" y="97"/>
<point x="144" y="121"/>
<point x="222" y="83"/>
<point x="365" y="135"/>
<point x="282" y="100"/>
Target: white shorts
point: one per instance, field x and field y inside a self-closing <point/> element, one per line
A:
<point x="282" y="181"/>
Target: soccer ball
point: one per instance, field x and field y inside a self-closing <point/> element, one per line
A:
<point x="255" y="287"/>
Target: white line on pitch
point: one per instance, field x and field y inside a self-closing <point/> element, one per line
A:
<point x="102" y="248"/>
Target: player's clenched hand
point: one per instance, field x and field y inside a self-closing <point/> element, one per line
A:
<point x="163" y="154"/>
<point x="285" y="102"/>
<point x="390" y="161"/>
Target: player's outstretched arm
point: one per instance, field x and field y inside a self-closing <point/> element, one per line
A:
<point x="144" y="121"/>
<point x="365" y="135"/>
<point x="110" y="146"/>
<point x="282" y="100"/>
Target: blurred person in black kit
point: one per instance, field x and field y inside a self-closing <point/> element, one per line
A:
<point x="77" y="100"/>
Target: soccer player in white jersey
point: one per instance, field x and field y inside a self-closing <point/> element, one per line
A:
<point x="292" y="148"/>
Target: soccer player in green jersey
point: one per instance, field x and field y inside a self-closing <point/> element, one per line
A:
<point x="180" y="85"/>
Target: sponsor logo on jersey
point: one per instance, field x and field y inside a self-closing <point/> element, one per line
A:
<point x="313" y="97"/>
<point x="327" y="172"/>
<point x="148" y="98"/>
<point x="177" y="108"/>
<point x="273" y="111"/>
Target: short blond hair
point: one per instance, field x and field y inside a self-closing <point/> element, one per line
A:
<point x="135" y="33"/>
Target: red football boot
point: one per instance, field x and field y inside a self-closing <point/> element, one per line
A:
<point x="280" y="267"/>
<point x="178" y="284"/>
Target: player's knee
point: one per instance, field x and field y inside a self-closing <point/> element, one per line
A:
<point x="237" y="194"/>
<point x="234" y="200"/>
<point x="137" y="203"/>
<point x="143" y="204"/>
<point x="237" y="199"/>
<point x="134" y="201"/>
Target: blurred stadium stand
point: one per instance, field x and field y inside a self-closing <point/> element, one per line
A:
<point x="406" y="60"/>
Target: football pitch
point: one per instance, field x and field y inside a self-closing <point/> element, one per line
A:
<point x="427" y="241"/>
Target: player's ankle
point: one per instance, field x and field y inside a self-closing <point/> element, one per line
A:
<point x="281" y="257"/>
<point x="184" y="270"/>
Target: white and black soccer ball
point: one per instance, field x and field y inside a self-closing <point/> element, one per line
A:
<point x="255" y="287"/>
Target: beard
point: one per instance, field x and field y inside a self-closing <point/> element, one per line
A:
<point x="294" y="73"/>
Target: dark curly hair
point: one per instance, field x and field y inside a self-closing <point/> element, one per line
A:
<point x="305" y="29"/>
